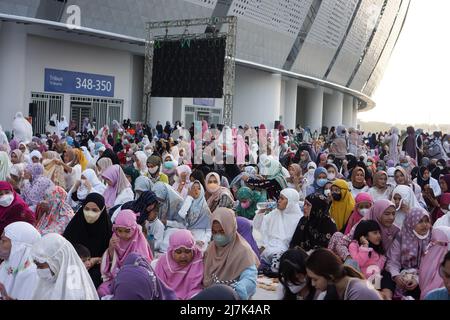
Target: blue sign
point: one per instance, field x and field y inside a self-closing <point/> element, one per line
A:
<point x="78" y="83"/>
<point x="207" y="102"/>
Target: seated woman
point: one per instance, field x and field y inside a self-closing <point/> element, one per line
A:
<point x="380" y="189"/>
<point x="406" y="252"/>
<point x="34" y="185"/>
<point x="217" y="292"/>
<point x="277" y="228"/>
<point x="136" y="280"/>
<point x="430" y="266"/>
<point x="89" y="183"/>
<point x="444" y="292"/>
<point x="142" y="207"/>
<point x="444" y="219"/>
<point x="320" y="180"/>
<point x="247" y="202"/>
<point x="181" y="178"/>
<point x="363" y="203"/>
<point x="245" y="229"/>
<point x="403" y="178"/>
<point x="196" y="213"/>
<point x="424" y="178"/>
<point x="315" y="228"/>
<point x="118" y="190"/>
<point x="404" y="200"/>
<point x="127" y="238"/>
<point x="181" y="268"/>
<point x="218" y="196"/>
<point x="12" y="207"/>
<point x="170" y="203"/>
<point x="55" y="213"/>
<point x="294" y="283"/>
<point x="357" y="182"/>
<point x="92" y="228"/>
<point x="339" y="281"/>
<point x="229" y="259"/>
<point x="132" y="174"/>
<point x="141" y="185"/>
<point x="342" y="204"/>
<point x="53" y="171"/>
<point x="18" y="271"/>
<point x="296" y="180"/>
<point x="54" y="257"/>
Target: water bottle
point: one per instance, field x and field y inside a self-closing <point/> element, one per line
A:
<point x="269" y="205"/>
<point x="151" y="242"/>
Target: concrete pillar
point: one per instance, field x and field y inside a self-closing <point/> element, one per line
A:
<point x="257" y="97"/>
<point x="347" y="112"/>
<point x="161" y="109"/>
<point x="290" y="104"/>
<point x="332" y="109"/>
<point x="355" y="114"/>
<point x="313" y="108"/>
<point x="13" y="49"/>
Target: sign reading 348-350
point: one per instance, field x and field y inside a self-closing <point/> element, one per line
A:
<point x="78" y="83"/>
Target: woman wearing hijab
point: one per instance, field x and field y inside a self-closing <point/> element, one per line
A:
<point x="54" y="257"/>
<point x="403" y="178"/>
<point x="196" y="213"/>
<point x="315" y="227"/>
<point x="140" y="162"/>
<point x="53" y="171"/>
<point x="35" y="185"/>
<point x="12" y="207"/>
<point x="218" y="196"/>
<point x="127" y="238"/>
<point x="429" y="277"/>
<point x="363" y="203"/>
<point x="141" y="185"/>
<point x="35" y="156"/>
<point x="142" y="206"/>
<point x="392" y="140"/>
<point x="305" y="159"/>
<point x="154" y="170"/>
<point x="18" y="271"/>
<point x="5" y="166"/>
<point x="320" y="180"/>
<point x="136" y="280"/>
<point x="247" y="202"/>
<point x="444" y="218"/>
<point x="296" y="180"/>
<point x="404" y="199"/>
<point x="181" y="184"/>
<point x="169" y="167"/>
<point x="108" y="153"/>
<point x="56" y="212"/>
<point x="424" y="178"/>
<point x="229" y="259"/>
<point x="89" y="183"/>
<point x="278" y="226"/>
<point x="245" y="229"/>
<point x="274" y="178"/>
<point x="132" y="174"/>
<point x="358" y="182"/>
<point x="118" y="190"/>
<point x="380" y="189"/>
<point x="102" y="165"/>
<point x="342" y="204"/>
<point x="92" y="228"/>
<point x="410" y="144"/>
<point x="181" y="268"/>
<point x="406" y="252"/>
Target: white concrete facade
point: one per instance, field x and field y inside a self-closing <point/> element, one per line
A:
<point x="313" y="108"/>
<point x="347" y="112"/>
<point x="332" y="109"/>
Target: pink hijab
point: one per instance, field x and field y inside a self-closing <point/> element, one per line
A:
<point x="120" y="182"/>
<point x="186" y="281"/>
<point x="429" y="278"/>
<point x="356" y="216"/>
<point x="137" y="243"/>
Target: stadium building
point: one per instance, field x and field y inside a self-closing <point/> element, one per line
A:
<point x="309" y="62"/>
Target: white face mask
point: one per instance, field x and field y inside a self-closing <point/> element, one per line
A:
<point x="91" y="216"/>
<point x="45" y="274"/>
<point x="331" y="176"/>
<point x="6" y="200"/>
<point x="363" y="212"/>
<point x="441" y="167"/>
<point x="421" y="237"/>
<point x="329" y="161"/>
<point x="153" y="170"/>
<point x="295" y="288"/>
<point x="327" y="192"/>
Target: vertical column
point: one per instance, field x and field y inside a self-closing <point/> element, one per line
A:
<point x="355" y="114"/>
<point x="332" y="109"/>
<point x="161" y="109"/>
<point x="313" y="109"/>
<point x="13" y="49"/>
<point x="290" y="104"/>
<point x="347" y="113"/>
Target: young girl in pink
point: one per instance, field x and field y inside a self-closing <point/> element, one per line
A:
<point x="367" y="249"/>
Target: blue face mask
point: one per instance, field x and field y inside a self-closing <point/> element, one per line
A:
<point x="405" y="165"/>
<point x="169" y="165"/>
<point x="322" y="182"/>
<point x="221" y="240"/>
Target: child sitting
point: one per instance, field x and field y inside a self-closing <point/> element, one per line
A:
<point x="154" y="230"/>
<point x="85" y="256"/>
<point x="367" y="250"/>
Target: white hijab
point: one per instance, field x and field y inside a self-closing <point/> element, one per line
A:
<point x="21" y="283"/>
<point x="23" y="131"/>
<point x="280" y="225"/>
<point x="142" y="157"/>
<point x="97" y="186"/>
<point x="71" y="280"/>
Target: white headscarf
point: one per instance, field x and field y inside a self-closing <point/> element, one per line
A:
<point x="21" y="282"/>
<point x="142" y="157"/>
<point x="407" y="195"/>
<point x="97" y="186"/>
<point x="71" y="279"/>
<point x="23" y="131"/>
<point x="5" y="166"/>
<point x="36" y="154"/>
<point x="4" y="139"/>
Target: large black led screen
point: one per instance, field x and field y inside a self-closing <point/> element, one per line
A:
<point x="189" y="68"/>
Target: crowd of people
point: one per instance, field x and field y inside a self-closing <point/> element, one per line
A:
<point x="127" y="212"/>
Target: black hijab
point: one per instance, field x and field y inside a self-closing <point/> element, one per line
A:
<point x="140" y="205"/>
<point x="108" y="153"/>
<point x="420" y="180"/>
<point x="316" y="230"/>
